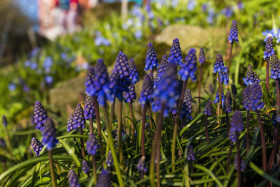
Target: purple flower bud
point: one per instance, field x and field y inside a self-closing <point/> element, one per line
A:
<point x="189" y="67"/>
<point x="141" y="166"/>
<point x="85" y="167"/>
<point x="121" y="65"/>
<point x="217" y="97"/>
<point x="201" y="56"/>
<point x="175" y="55"/>
<point x="146" y="94"/>
<point x="70" y="123"/>
<point x="255" y="99"/>
<point x="90" y="81"/>
<point x="151" y="58"/>
<point x="275" y="67"/>
<point x="246" y="98"/>
<point x="251" y="77"/>
<point x="73" y="179"/>
<point x="4" y="121"/>
<point x="79" y="118"/>
<point x="49" y="134"/>
<point x="224" y="75"/>
<point x="109" y="160"/>
<point x="167" y="90"/>
<point x="269" y="51"/>
<point x="236" y="122"/>
<point x="190" y="155"/>
<point x="40" y="115"/>
<point x="89" y="111"/>
<point x="208" y="108"/>
<point x="219" y="64"/>
<point x="134" y="77"/>
<point x="228" y="102"/>
<point x="131" y="95"/>
<point x="104" y="179"/>
<point x="92" y="145"/>
<point x="36" y="145"/>
<point x="187" y="106"/>
<point x="161" y="69"/>
<point x="233" y="34"/>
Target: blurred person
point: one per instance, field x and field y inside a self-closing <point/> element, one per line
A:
<point x="68" y="15"/>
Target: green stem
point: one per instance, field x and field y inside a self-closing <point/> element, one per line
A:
<point x="119" y="116"/>
<point x="112" y="147"/>
<point x="230" y="54"/>
<point x="143" y="130"/>
<point x="54" y="184"/>
<point x="112" y="112"/>
<point x="91" y="125"/>
<point x="132" y="129"/>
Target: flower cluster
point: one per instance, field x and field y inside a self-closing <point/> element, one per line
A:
<point x="201" y="56"/>
<point x="151" y="58"/>
<point x="189" y="67"/>
<point x="161" y="69"/>
<point x="85" y="167"/>
<point x="275" y="67"/>
<point x="166" y="91"/>
<point x="208" y="109"/>
<point x="79" y="118"/>
<point x="130" y="96"/>
<point x="252" y="98"/>
<point x="90" y="81"/>
<point x="251" y="77"/>
<point x="36" y="146"/>
<point x="99" y="85"/>
<point x="233" y="34"/>
<point x="70" y="124"/>
<point x="92" y="145"/>
<point x="49" y="134"/>
<point x="274" y="33"/>
<point x="236" y="125"/>
<point x="133" y="76"/>
<point x="243" y="165"/>
<point x="217" y="97"/>
<point x="73" y="179"/>
<point x="190" y="155"/>
<point x="269" y="51"/>
<point x="104" y="179"/>
<point x="187" y="105"/>
<point x="221" y="69"/>
<point x="141" y="165"/>
<point x="146" y="94"/>
<point x="175" y="55"/>
<point x="89" y="111"/>
<point x="40" y="115"/>
<point x="228" y="102"/>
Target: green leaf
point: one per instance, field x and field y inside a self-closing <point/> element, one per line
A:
<point x="210" y="173"/>
<point x="71" y="152"/>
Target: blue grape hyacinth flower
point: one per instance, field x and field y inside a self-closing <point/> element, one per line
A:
<point x="219" y="64"/>
<point x="104" y="179"/>
<point x="90" y="88"/>
<point x="134" y="77"/>
<point x="208" y="109"/>
<point x="175" y="55"/>
<point x="189" y="67"/>
<point x="70" y="123"/>
<point x="85" y="167"/>
<point x="130" y="96"/>
<point x="89" y="111"/>
<point x="79" y="118"/>
<point x="73" y="179"/>
<point x="190" y="154"/>
<point x="228" y="102"/>
<point x="243" y="165"/>
<point x="233" y="34"/>
<point x="217" y="97"/>
<point x="187" y="106"/>
<point x="275" y="67"/>
<point x="246" y="98"/>
<point x="224" y="75"/>
<point x="146" y="94"/>
<point x="201" y="56"/>
<point x="36" y="145"/>
<point x="269" y="51"/>
<point x="161" y="68"/>
<point x="49" y="134"/>
<point x="236" y="125"/>
<point x="255" y="98"/>
<point x="92" y="145"/>
<point x="109" y="159"/>
<point x="151" y="58"/>
<point x="141" y="166"/>
<point x="251" y="77"/>
<point x="166" y="93"/>
<point x="40" y="115"/>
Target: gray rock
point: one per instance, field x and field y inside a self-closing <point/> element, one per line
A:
<point x="192" y="36"/>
